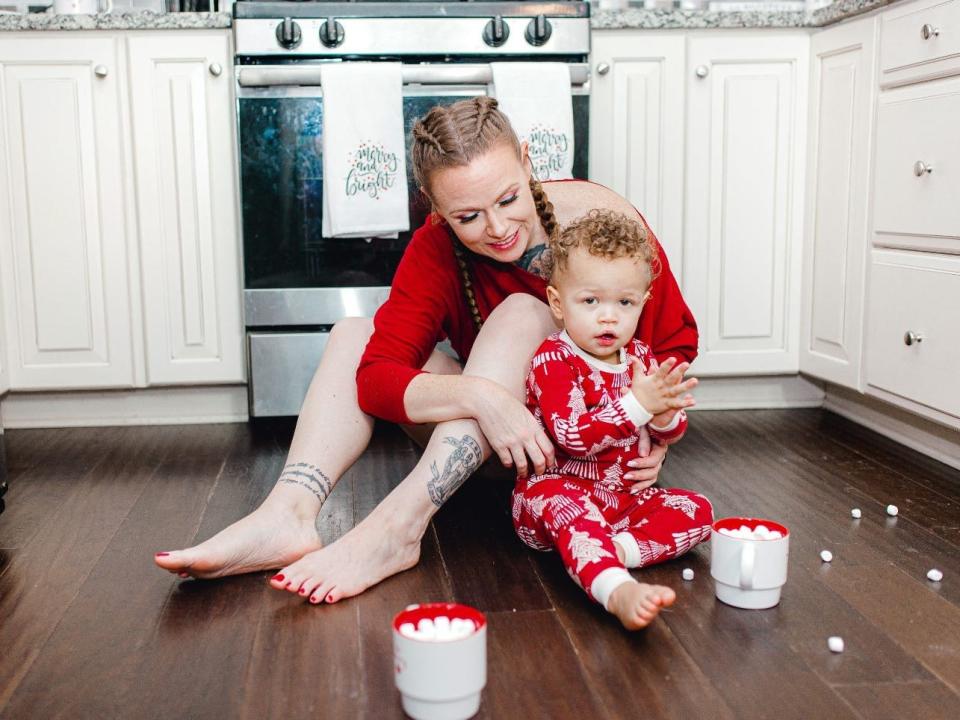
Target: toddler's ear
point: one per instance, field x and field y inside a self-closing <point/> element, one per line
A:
<point x="553" y="300"/>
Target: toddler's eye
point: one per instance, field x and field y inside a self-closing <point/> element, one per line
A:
<point x="626" y="302"/>
<point x="590" y="300"/>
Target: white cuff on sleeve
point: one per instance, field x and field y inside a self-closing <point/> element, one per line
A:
<point x="634" y="410"/>
<point x="606" y="582"/>
<point x="671" y="425"/>
<point x="631" y="551"/>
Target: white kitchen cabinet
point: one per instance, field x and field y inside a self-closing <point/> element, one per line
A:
<point x="636" y="127"/>
<point x="184" y="137"/>
<point x="842" y="99"/>
<point x="746" y="143"/>
<point x="63" y="253"/>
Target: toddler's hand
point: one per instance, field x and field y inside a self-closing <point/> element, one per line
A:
<point x="664" y="389"/>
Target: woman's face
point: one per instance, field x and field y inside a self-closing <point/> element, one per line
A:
<point x="489" y="205"/>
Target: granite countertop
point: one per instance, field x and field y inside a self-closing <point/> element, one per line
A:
<point x="632" y="17"/>
<point x="133" y="20"/>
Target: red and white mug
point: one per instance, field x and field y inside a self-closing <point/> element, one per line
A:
<point x="749" y="572"/>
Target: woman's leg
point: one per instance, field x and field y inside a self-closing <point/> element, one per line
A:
<point x="331" y="434"/>
<point x="388" y="540"/>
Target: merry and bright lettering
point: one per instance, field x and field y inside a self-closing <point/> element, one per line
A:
<point x="373" y="170"/>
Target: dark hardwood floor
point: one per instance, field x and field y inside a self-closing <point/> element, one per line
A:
<point x="89" y="628"/>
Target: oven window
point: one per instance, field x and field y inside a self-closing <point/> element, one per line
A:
<point x="281" y="175"/>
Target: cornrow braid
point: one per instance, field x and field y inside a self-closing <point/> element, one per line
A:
<point x="460" y="253"/>
<point x="422" y="134"/>
<point x="544" y="209"/>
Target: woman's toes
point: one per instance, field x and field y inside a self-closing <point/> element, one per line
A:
<point x="279" y="581"/>
<point x="319" y="594"/>
<point x="334" y="595"/>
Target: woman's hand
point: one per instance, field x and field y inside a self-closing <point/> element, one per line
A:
<point x="513" y="433"/>
<point x="644" y="470"/>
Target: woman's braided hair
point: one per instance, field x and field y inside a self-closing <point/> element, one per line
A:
<point x="452" y="136"/>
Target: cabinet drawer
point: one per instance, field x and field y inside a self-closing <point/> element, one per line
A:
<point x="915" y="293"/>
<point x="920" y="41"/>
<point x="914" y="129"/>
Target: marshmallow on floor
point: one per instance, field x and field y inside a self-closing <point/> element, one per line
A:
<point x="835" y="644"/>
<point x="934" y="575"/>
<point x="856" y="514"/>
<point x="826" y="556"/>
<point x="892" y="510"/>
<point x="687" y="574"/>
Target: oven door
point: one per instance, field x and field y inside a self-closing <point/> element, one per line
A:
<point x="297" y="283"/>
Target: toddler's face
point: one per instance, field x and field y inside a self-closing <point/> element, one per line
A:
<point x="599" y="302"/>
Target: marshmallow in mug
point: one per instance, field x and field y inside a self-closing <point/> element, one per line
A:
<point x="761" y="532"/>
<point x="440" y="628"/>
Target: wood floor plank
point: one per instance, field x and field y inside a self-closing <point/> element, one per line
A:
<point x="45" y="576"/>
<point x="894" y="701"/>
<point x="533" y="671"/>
<point x="627" y="671"/>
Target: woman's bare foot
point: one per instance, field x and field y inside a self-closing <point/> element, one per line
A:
<point x="372" y="551"/>
<point x="271" y="536"/>
<point x="637" y="604"/>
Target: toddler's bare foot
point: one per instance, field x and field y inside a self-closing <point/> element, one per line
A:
<point x="272" y="536"/>
<point x="637" y="604"/>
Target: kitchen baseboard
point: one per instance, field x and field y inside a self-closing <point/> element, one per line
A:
<point x="149" y="406"/>
<point x="925" y="436"/>
<point x="757" y="392"/>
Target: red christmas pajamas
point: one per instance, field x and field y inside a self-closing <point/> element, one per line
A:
<point x="583" y="505"/>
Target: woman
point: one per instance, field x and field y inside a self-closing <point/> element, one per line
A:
<point x="472" y="273"/>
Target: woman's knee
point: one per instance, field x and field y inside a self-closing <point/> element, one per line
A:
<point x="521" y="310"/>
<point x="351" y="332"/>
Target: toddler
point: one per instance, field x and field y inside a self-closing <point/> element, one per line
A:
<point x="596" y="388"/>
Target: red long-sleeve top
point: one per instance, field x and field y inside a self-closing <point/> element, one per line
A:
<point x="427" y="305"/>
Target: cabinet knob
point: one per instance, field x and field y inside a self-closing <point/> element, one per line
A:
<point x="910" y="337"/>
<point x="216" y="69"/>
<point x="100" y="71"/>
<point x="702" y="71"/>
<point x="929" y="31"/>
<point x="603" y="68"/>
<point x="920" y="168"/>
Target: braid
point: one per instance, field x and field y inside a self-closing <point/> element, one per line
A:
<point x="484" y="106"/>
<point x="421" y="133"/>
<point x="544" y="209"/>
<point x="467" y="283"/>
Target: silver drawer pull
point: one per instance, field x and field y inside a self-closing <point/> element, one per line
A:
<point x="920" y="168"/>
<point x="702" y="71"/>
<point x="910" y="337"/>
<point x="603" y="68"/>
<point x="216" y="69"/>
<point x="100" y="71"/>
<point x="929" y="31"/>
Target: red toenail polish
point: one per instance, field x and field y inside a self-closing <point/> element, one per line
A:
<point x="162" y="554"/>
<point x="278" y="577"/>
<point x="329" y="598"/>
<point x="303" y="591"/>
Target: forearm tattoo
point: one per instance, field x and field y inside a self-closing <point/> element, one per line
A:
<point x="309" y="477"/>
<point x="536" y="260"/>
<point x="461" y="463"/>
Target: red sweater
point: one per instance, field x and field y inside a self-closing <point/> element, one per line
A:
<point x="427" y="305"/>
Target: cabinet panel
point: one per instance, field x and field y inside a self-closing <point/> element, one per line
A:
<point x="743" y="222"/>
<point x="920" y="41"/>
<point x="835" y="255"/>
<point x="636" y="128"/>
<point x="63" y="252"/>
<point x="186" y="197"/>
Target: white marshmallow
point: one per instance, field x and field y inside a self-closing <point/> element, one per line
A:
<point x="855" y="513"/>
<point x="934" y="575"/>
<point x="826" y="555"/>
<point x="687" y="574"/>
<point x="892" y="510"/>
<point x="442" y="623"/>
<point x="408" y="630"/>
<point x="775" y="535"/>
<point x="835" y="644"/>
<point x="761" y="529"/>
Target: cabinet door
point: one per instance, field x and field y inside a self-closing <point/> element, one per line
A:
<point x="744" y="202"/>
<point x="185" y="169"/>
<point x="62" y="221"/>
<point x="636" y="127"/>
<point x="843" y="81"/>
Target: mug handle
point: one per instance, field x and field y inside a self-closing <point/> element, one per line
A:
<point x="747" y="557"/>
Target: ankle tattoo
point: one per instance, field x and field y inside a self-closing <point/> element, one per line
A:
<point x="460" y="465"/>
<point x="309" y="477"/>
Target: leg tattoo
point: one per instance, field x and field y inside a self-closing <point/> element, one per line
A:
<point x="309" y="477"/>
<point x="464" y="459"/>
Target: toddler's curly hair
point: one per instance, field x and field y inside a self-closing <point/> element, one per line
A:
<point x="607" y="234"/>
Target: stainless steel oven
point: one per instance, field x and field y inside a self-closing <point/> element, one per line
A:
<point x="296" y="282"/>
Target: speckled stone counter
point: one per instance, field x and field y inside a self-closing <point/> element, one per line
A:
<point x="136" y="20"/>
<point x="637" y="17"/>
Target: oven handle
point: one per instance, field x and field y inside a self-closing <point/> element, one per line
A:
<point x="427" y="74"/>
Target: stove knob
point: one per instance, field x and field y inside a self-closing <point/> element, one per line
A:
<point x="538" y="31"/>
<point x="331" y="33"/>
<point x="496" y="32"/>
<point x="288" y="34"/>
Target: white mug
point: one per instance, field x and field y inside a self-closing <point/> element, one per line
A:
<point x="748" y="573"/>
<point x="440" y="679"/>
<point x="82" y="7"/>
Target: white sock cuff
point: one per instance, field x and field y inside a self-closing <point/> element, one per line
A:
<point x="631" y="551"/>
<point x="606" y="582"/>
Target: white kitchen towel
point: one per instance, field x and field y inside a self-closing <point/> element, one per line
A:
<point x="364" y="158"/>
<point x="536" y="98"/>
